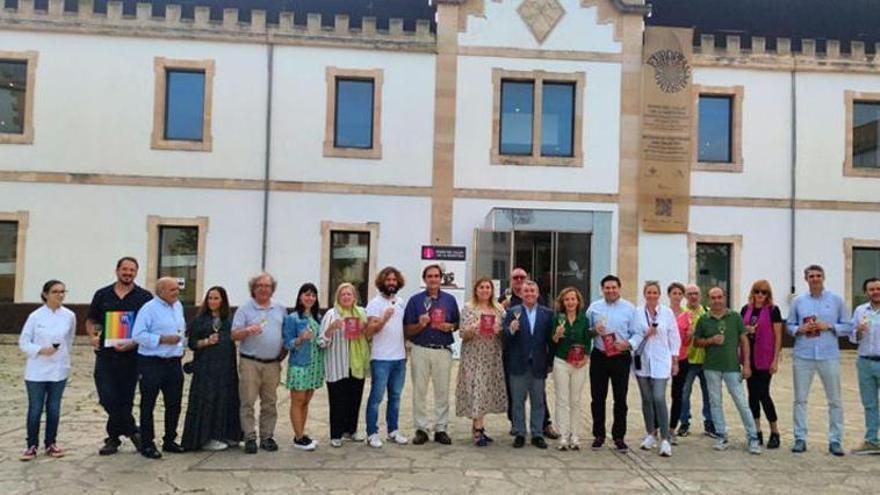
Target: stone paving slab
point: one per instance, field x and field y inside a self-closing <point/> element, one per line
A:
<point x="430" y="468"/>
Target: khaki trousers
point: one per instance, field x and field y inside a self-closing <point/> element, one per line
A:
<point x="256" y="379"/>
<point x="434" y="366"/>
<point x="568" y="383"/>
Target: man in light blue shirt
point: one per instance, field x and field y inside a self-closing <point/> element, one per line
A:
<point x="866" y="333"/>
<point x="815" y="321"/>
<point x="613" y="319"/>
<point x="159" y="330"/>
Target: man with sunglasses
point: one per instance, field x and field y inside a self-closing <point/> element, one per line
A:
<point x="816" y="319"/>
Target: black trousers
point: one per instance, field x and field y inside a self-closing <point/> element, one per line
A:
<point x="345" y="402"/>
<point x="547" y="420"/>
<point x="165" y="375"/>
<point x="677" y="391"/>
<point x="116" y="377"/>
<point x="759" y="395"/>
<point x="604" y="369"/>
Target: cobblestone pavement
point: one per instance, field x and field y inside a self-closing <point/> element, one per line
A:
<point x="461" y="468"/>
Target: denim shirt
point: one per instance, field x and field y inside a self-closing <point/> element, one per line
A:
<point x="294" y="325"/>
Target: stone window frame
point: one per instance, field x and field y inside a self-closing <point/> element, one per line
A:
<point x="30" y="57"/>
<point x="327" y="227"/>
<point x="850" y="98"/>
<point x="153" y="224"/>
<point x="734" y="293"/>
<point x="736" y="94"/>
<point x="330" y="149"/>
<point x="538" y="77"/>
<point x="21" y="217"/>
<point x="849" y="245"/>
<point x="160" y="67"/>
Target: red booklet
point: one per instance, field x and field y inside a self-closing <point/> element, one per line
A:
<point x="487" y="325"/>
<point x="352" y="328"/>
<point x="609" y="339"/>
<point x="811" y="319"/>
<point x="438" y="317"/>
<point x="576" y="354"/>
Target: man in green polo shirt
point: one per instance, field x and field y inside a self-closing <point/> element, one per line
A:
<point x="721" y="332"/>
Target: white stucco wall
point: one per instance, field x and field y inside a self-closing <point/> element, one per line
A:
<point x="299" y="116"/>
<point x="578" y="29"/>
<point x="600" y="137"/>
<point x="93" y="107"/>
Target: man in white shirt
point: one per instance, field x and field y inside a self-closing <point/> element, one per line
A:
<point x="866" y="323"/>
<point x="388" y="358"/>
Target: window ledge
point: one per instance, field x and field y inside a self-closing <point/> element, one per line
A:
<point x="537" y="161"/>
<point x="174" y="145"/>
<point x="331" y="151"/>
<point x="850" y="171"/>
<point x="727" y="167"/>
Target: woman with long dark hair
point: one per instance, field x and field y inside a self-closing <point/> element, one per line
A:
<point x="305" y="366"/>
<point x="212" y="416"/>
<point x="46" y="339"/>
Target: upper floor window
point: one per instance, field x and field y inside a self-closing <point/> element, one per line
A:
<point x="865" y="131"/>
<point x="182" y="106"/>
<point x="537" y="118"/>
<point x="354" y="105"/>
<point x="17" y="71"/>
<point x="717" y="128"/>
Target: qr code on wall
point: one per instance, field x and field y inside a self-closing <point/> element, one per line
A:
<point x="663" y="207"/>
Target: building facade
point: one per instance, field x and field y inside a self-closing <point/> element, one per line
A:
<point x="213" y="142"/>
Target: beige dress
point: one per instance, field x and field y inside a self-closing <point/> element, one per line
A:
<point x="480" y="388"/>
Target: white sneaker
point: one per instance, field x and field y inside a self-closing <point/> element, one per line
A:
<point x="754" y="446"/>
<point x="720" y="443"/>
<point x="305" y="443"/>
<point x="354" y="437"/>
<point x="665" y="449"/>
<point x="215" y="445"/>
<point x="336" y="442"/>
<point x="648" y="443"/>
<point x="397" y="438"/>
<point x="373" y="441"/>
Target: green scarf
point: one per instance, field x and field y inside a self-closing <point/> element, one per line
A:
<point x="359" y="348"/>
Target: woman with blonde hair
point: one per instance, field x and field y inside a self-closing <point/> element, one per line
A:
<point x="763" y="322"/>
<point x="572" y="341"/>
<point x="480" y="389"/>
<point x="346" y="362"/>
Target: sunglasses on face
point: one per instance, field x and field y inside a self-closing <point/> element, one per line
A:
<point x="519" y="277"/>
<point x="760" y="292"/>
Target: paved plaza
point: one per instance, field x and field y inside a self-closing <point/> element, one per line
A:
<point x="461" y="468"/>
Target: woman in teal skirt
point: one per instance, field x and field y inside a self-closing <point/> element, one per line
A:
<point x="305" y="367"/>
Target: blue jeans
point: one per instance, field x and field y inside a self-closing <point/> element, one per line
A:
<point x="829" y="373"/>
<point x="48" y="395"/>
<point x="694" y="371"/>
<point x="869" y="387"/>
<point x="389" y="375"/>
<point x="733" y="381"/>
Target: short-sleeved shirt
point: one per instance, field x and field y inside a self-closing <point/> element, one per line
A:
<point x="106" y="301"/>
<point x="431" y="336"/>
<point x="387" y="344"/>
<point x="724" y="357"/>
<point x="266" y="345"/>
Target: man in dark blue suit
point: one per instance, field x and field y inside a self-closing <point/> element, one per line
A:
<point x="527" y="328"/>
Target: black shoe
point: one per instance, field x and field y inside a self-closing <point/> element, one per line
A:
<point x="761" y="438"/>
<point x="597" y="443"/>
<point x="111" y="446"/>
<point x="620" y="445"/>
<point x="773" y="442"/>
<point x="539" y="442"/>
<point x="172" y="448"/>
<point x="269" y="445"/>
<point x="551" y="433"/>
<point x="835" y="449"/>
<point x="512" y="431"/>
<point x="442" y="437"/>
<point x="136" y="440"/>
<point x="250" y="447"/>
<point x="421" y="437"/>
<point x="709" y="430"/>
<point x="149" y="451"/>
<point x="683" y="431"/>
<point x="519" y="441"/>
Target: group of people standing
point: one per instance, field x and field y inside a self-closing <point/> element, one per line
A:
<point x="509" y="346"/>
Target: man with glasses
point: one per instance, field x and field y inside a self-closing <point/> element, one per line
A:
<point x="429" y="319"/>
<point x="695" y="356"/>
<point x="816" y="319"/>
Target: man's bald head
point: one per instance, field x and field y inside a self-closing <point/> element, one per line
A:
<point x="167" y="289"/>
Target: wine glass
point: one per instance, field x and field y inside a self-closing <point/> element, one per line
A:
<point x="427" y="303"/>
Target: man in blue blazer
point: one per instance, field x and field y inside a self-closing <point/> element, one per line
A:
<point x="527" y="328"/>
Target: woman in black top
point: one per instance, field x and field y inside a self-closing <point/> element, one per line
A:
<point x="212" y="417"/>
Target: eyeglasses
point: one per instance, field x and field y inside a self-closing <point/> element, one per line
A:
<point x="760" y="292"/>
<point x="692" y="293"/>
<point x="518" y="277"/>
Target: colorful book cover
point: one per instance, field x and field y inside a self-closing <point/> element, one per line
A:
<point x="438" y="317"/>
<point x="117" y="327"/>
<point x="608" y="339"/>
<point x="487" y="324"/>
<point x="352" y="327"/>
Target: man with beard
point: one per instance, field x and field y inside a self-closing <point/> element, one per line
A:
<point x="388" y="358"/>
<point x="116" y="370"/>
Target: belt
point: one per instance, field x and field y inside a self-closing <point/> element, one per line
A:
<point x="434" y="346"/>
<point x="160" y="358"/>
<point x="871" y="358"/>
<point x="259" y="360"/>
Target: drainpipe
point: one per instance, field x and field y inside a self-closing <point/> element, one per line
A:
<point x="793" y="195"/>
<point x="268" y="154"/>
